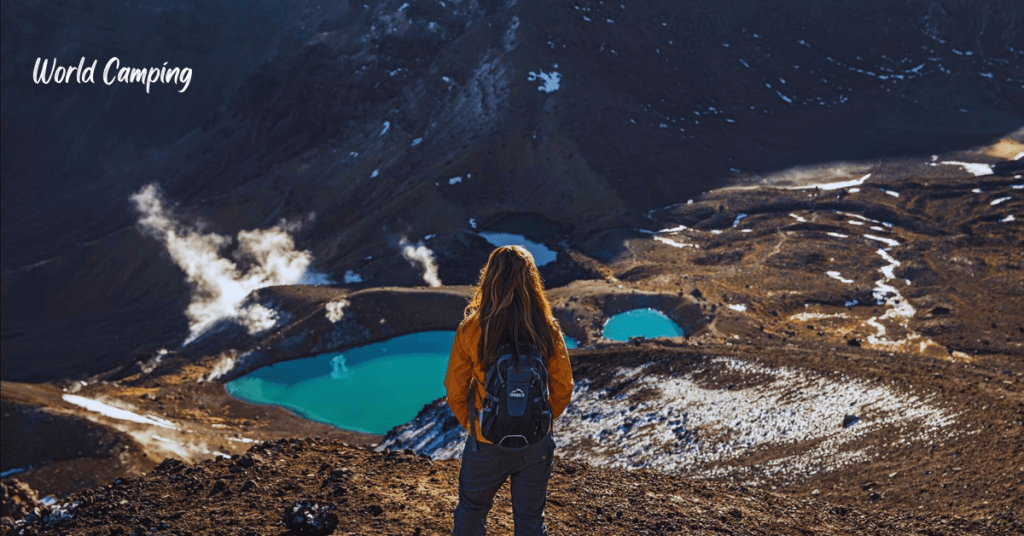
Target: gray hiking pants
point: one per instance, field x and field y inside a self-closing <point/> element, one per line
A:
<point x="484" y="470"/>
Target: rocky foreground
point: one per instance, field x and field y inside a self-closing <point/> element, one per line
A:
<point x="400" y="493"/>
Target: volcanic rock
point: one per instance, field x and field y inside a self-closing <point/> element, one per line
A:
<point x="309" y="518"/>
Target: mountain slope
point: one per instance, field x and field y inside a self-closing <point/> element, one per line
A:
<point x="362" y="130"/>
<point x="398" y="493"/>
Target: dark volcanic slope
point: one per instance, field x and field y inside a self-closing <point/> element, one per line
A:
<point x="72" y="152"/>
<point x="364" y="124"/>
<point x="404" y="494"/>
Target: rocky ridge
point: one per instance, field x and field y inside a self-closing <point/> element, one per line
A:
<point x="400" y="493"/>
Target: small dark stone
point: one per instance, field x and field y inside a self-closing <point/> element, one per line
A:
<point x="850" y="420"/>
<point x="169" y="465"/>
<point x="308" y="518"/>
<point x="218" y="486"/>
<point x="875" y="496"/>
<point x="375" y="510"/>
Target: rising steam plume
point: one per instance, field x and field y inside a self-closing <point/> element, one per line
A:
<point x="421" y="256"/>
<point x="262" y="257"/>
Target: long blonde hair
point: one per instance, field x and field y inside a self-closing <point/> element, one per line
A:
<point x="510" y="305"/>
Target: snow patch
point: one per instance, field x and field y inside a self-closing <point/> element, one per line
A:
<point x="551" y="80"/>
<point x="682" y="425"/>
<point x="805" y="317"/>
<point x="673" y="243"/>
<point x="973" y="168"/>
<point x="352" y="277"/>
<point x="835" y="185"/>
<point x="839" y="276"/>
<point x="112" y="412"/>
<point x="677" y="423"/>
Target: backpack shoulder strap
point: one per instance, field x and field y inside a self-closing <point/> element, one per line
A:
<point x="495" y="369"/>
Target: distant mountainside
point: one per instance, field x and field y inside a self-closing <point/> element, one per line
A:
<point x="384" y="120"/>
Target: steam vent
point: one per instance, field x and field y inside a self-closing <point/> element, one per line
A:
<point x="782" y="240"/>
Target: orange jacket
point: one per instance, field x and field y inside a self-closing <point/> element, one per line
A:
<point x="464" y="368"/>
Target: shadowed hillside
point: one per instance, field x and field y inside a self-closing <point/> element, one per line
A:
<point x="582" y="115"/>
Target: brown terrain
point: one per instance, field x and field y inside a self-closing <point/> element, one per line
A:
<point x="945" y="458"/>
<point x="826" y="197"/>
<point x="400" y="493"/>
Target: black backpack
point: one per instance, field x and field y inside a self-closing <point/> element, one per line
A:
<point x="515" y="410"/>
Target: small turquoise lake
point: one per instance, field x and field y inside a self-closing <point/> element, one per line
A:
<point x="640" y="323"/>
<point x="371" y="388"/>
<point x="541" y="254"/>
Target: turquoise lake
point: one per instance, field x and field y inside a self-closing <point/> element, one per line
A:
<point x="541" y="254"/>
<point x="371" y="388"/>
<point x="640" y="323"/>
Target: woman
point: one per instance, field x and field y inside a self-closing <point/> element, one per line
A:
<point x="508" y="312"/>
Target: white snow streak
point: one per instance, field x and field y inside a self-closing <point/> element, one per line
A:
<point x="839" y="276"/>
<point x="973" y="168"/>
<point x="673" y="243"/>
<point x="835" y="185"/>
<point x="107" y="410"/>
<point x="551" y="80"/>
